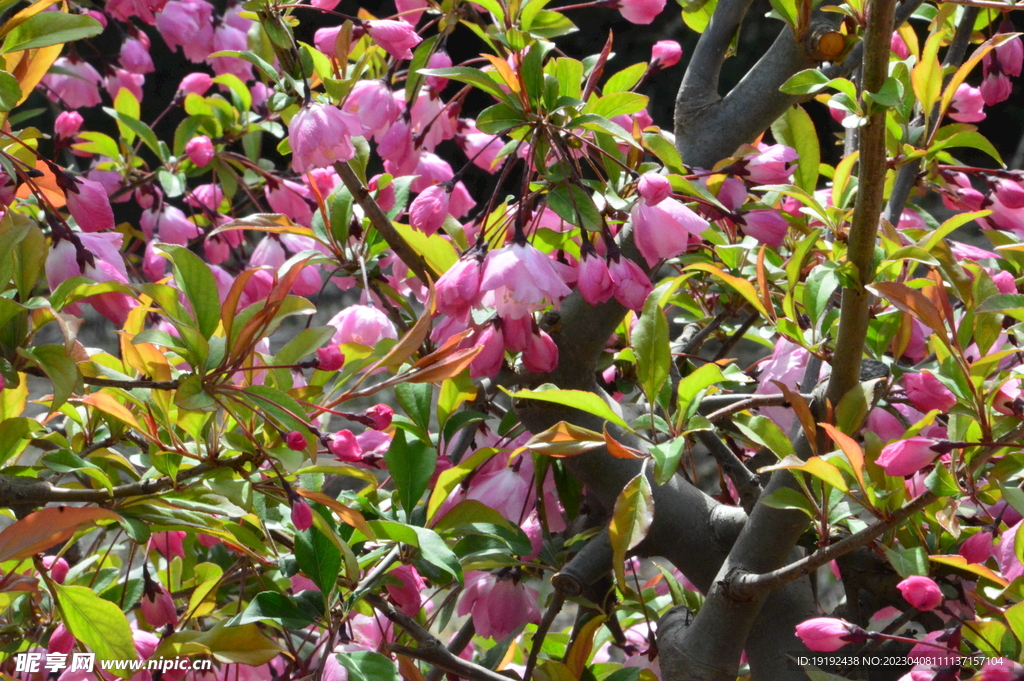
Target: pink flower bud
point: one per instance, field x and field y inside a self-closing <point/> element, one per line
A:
<point x="906" y="457"/>
<point x="158" y="608"/>
<point x="499" y="602"/>
<point x="541" y="355"/>
<point x="654" y="188"/>
<point x="967" y="105"/>
<point x="295" y="441"/>
<point x="429" y="210"/>
<point x="363" y="324"/>
<point x="825" y="634"/>
<point x="665" y="54"/>
<point x="1010" y="193"/>
<point x="195" y="84"/>
<point x="3" y="383"/>
<point x="594" y="282"/>
<point x="302" y="516"/>
<point x="978" y="548"/>
<point x="324" y="4"/>
<point x="68" y="124"/>
<point x="326" y="40"/>
<point x="58" y="568"/>
<point x="927" y="392"/>
<point x="331" y="358"/>
<point x="898" y="46"/>
<point x="344" y="447"/>
<point x="458" y="289"/>
<point x="200" y="150"/>
<point x="381" y="414"/>
<point x="90" y="206"/>
<point x="396" y="37"/>
<point x="771" y="165"/>
<point x="640" y="11"/>
<point x="61" y="641"/>
<point x="135" y="57"/>
<point x="767" y="226"/>
<point x="385" y="197"/>
<point x="409" y="595"/>
<point x="169" y="544"/>
<point x="489" y="360"/>
<point x="921" y="592"/>
<point x="438" y="60"/>
<point x="663" y="231"/>
<point x="632" y="285"/>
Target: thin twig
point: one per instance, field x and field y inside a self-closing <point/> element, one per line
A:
<point x="555" y="607"/>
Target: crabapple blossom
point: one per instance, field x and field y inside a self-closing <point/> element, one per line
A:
<point x="200" y="150"/>
<point x="320" y="135"/>
<point x="302" y="515"/>
<point x="89" y="205"/>
<point x="825" y="634"/>
<point x="499" y="602"/>
<point x="631" y="284"/>
<point x="921" y="592"/>
<point x="396" y="37"/>
<point x="665" y="54"/>
<point x="926" y="392"/>
<point x="361" y="324"/>
<point x="906" y="457"/>
<point x="640" y="11"/>
<point x="76" y="85"/>
<point x="664" y="230"/>
<point x="522" y="279"/>
<point x="967" y="105"/>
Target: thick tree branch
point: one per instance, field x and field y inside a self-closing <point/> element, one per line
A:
<point x="746" y="481"/>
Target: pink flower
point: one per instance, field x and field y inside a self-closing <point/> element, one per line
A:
<point x="594" y="282"/>
<point x="78" y="89"/>
<point x="58" y="568"/>
<point x="291" y="199"/>
<point x="90" y="206"/>
<point x="408" y="594"/>
<point x="381" y="415"/>
<point x="68" y="123"/>
<point x="767" y="226"/>
<point x="200" y="150"/>
<point x="640" y="11"/>
<point x="100" y="260"/>
<point x="499" y="602"/>
<point x="344" y="447"/>
<point x="302" y="515"/>
<point x="410" y="10"/>
<point x="397" y="148"/>
<point x="321" y="134"/>
<point x="967" y="105"/>
<point x="209" y="196"/>
<point x="632" y="285"/>
<point x="397" y="37"/>
<point x="921" y="592"/>
<point x="541" y="355"/>
<point x="770" y="166"/>
<point x="523" y="280"/>
<point x="169" y="544"/>
<point x="61" y="641"/>
<point x="227" y="37"/>
<point x="295" y="441"/>
<point x="927" y="392"/>
<point x="481" y="148"/>
<point x="825" y="634"/>
<point x="135" y="57"/>
<point x="195" y="84"/>
<point x="458" y="289"/>
<point x="906" y="457"/>
<point x="330" y="358"/>
<point x="186" y="24"/>
<point x="505" y="491"/>
<point x="663" y="231"/>
<point x="489" y="360"/>
<point x="324" y="4"/>
<point x="995" y="88"/>
<point x="978" y="548"/>
<point x="1009" y="565"/>
<point x="654" y="188"/>
<point x="170" y="223"/>
<point x="897" y="45"/>
<point x="1010" y="193"/>
<point x="124" y="80"/>
<point x="665" y="54"/>
<point x="373" y="103"/>
<point x="361" y="324"/>
<point x="517" y="332"/>
<point x="429" y="210"/>
<point x="326" y="40"/>
<point x="1009" y="57"/>
<point x="158" y="608"/>
<point x="438" y="60"/>
<point x="1001" y="669"/>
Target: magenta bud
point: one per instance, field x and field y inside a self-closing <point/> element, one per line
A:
<point x="295" y="441"/>
<point x="302" y="515"/>
<point x="331" y="358"/>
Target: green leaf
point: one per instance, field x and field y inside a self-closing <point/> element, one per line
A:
<point x="787" y="498"/>
<point x="697" y="13"/>
<point x="806" y="82"/>
<point x="651" y="346"/>
<point x="415" y="400"/>
<point x="1001" y="303"/>
<point x="498" y="118"/>
<point x="908" y="562"/>
<point x="691" y="386"/>
<point x="764" y="432"/>
<point x="97" y="623"/>
<point x="474" y="77"/>
<point x="431" y="546"/>
<point x="139" y="128"/>
<point x="576" y="399"/>
<point x="796" y="129"/>
<point x="625" y="79"/>
<point x="631" y="520"/>
<point x="410" y="464"/>
<point x="50" y="28"/>
<point x="368" y="666"/>
<point x="575" y="206"/>
<point x="969" y="138"/>
<point x="58" y="367"/>
<point x="666" y="459"/>
<point x="275" y="607"/>
<point x="941" y="482"/>
<point x="196" y="281"/>
<point x="10" y="92"/>
<point x="616" y="104"/>
<point x="318" y="558"/>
